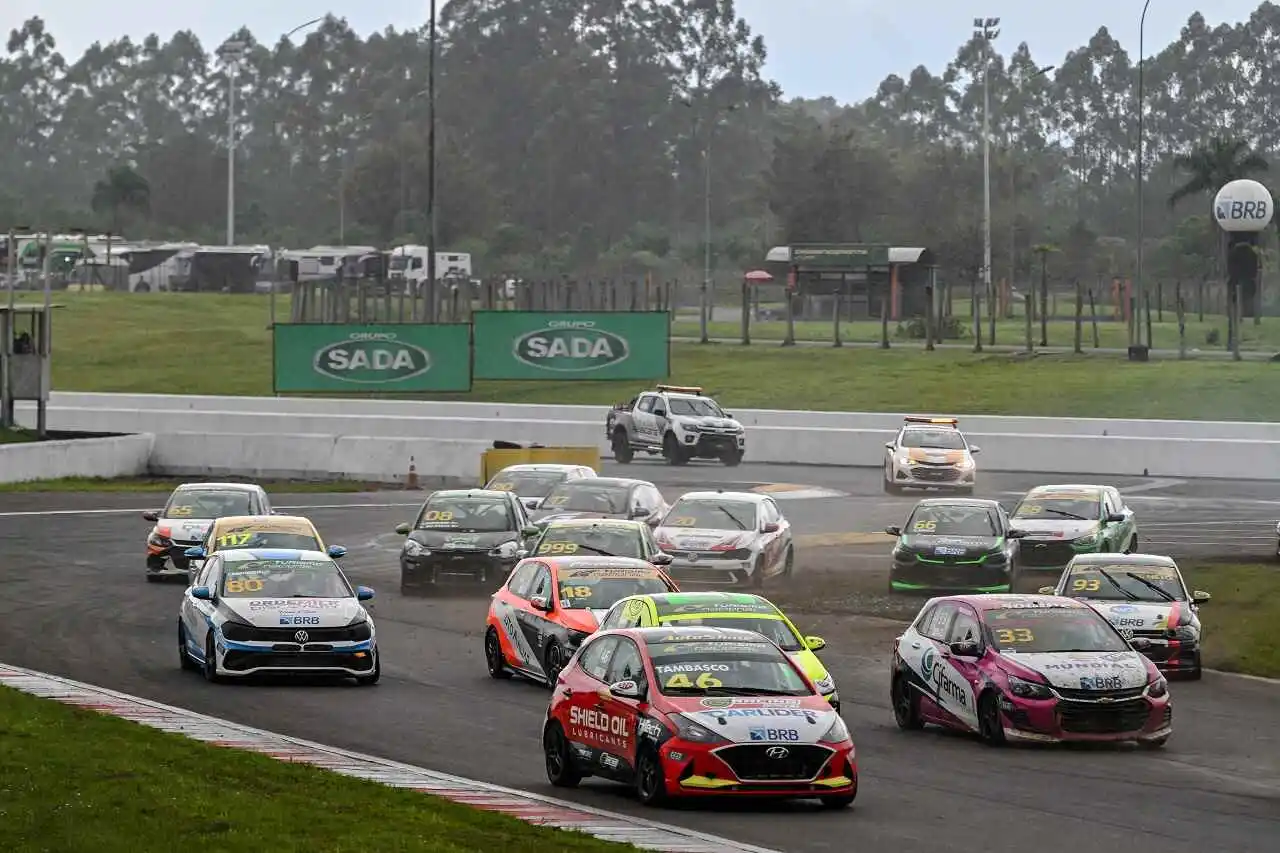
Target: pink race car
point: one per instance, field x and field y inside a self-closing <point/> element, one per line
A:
<point x="1027" y="667"/>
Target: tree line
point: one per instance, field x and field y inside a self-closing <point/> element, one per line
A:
<point x="577" y="137"/>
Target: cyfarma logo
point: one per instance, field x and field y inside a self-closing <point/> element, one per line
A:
<point x="571" y="347"/>
<point x="372" y="360"/>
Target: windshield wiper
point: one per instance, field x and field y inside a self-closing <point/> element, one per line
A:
<point x="1158" y="591"/>
<point x="599" y="551"/>
<point x="733" y="518"/>
<point x="1064" y="514"/>
<point x="1126" y="592"/>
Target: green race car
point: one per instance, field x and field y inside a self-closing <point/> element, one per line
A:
<point x="1066" y="520"/>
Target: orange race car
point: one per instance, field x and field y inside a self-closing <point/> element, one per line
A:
<point x="549" y="605"/>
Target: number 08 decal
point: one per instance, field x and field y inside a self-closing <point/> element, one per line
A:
<point x="437" y="515"/>
<point x="246" y="585"/>
<point x="180" y="512"/>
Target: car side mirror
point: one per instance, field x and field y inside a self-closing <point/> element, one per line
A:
<point x="974" y="449"/>
<point x="1016" y="534"/>
<point x="659" y="413"/>
<point x="402" y="528"/>
<point x="202" y="593"/>
<point x="529" y="531"/>
<point x="771" y="527"/>
<point x="1139" y="644"/>
<point x="1048" y="590"/>
<point x="728" y="415"/>
<point x="661" y="559"/>
<point x="893" y="530"/>
<point x="964" y="649"/>
<point x="815" y="644"/>
<point x="363" y="593"/>
<point x="626" y="690"/>
<point x="1114" y="518"/>
<point x="540" y="602"/>
<point x="336" y="551"/>
<point x="888" y="445"/>
<point x="639" y="512"/>
<point x="1200" y="596"/>
<point x="151" y="516"/>
<point x="196" y="553"/>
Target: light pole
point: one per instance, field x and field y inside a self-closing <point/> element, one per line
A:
<point x="704" y="307"/>
<point x="986" y="29"/>
<point x="1142" y="292"/>
<point x="431" y="151"/>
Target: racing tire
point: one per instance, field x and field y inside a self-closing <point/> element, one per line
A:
<point x="906" y="705"/>
<point x="622" y="452"/>
<point x="990" y="727"/>
<point x="756" y="578"/>
<point x="373" y="677"/>
<point x="650" y="782"/>
<point x="493" y="659"/>
<point x="553" y="661"/>
<point x="1132" y="547"/>
<point x="672" y="450"/>
<point x="210" y="666"/>
<point x="184" y="659"/>
<point x="559" y="760"/>
<point x="732" y="459"/>
<point x="789" y="563"/>
<point x="1197" y="672"/>
<point x="838" y="801"/>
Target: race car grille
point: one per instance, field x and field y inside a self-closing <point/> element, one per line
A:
<point x="737" y="554"/>
<point x="1099" y="719"/>
<point x="753" y="763"/>
<point x="250" y="634"/>
<point x="1094" y="695"/>
<point x="241" y="661"/>
<point x="1038" y="553"/>
<point x="935" y="474"/>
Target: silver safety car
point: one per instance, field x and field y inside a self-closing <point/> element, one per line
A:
<point x="726" y="538"/>
<point x="533" y="482"/>
<point x="930" y="453"/>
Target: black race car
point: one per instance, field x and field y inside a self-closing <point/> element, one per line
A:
<point x="466" y="535"/>
<point x="953" y="545"/>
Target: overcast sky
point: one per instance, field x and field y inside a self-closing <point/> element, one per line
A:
<point x="841" y="48"/>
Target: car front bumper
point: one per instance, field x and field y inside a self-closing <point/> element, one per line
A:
<point x="1064" y="720"/>
<point x="814" y="770"/>
<point x="443" y="568"/>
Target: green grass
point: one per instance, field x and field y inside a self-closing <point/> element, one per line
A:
<point x="166" y="484"/>
<point x="74" y="780"/>
<point x="1240" y="621"/>
<point x="16" y="436"/>
<point x="220" y="344"/>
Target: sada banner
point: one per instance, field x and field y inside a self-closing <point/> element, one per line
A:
<point x="572" y="345"/>
<point x="396" y="358"/>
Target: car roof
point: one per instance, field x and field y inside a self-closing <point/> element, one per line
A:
<point x="982" y="502"/>
<point x="625" y="523"/>
<point x="264" y="519"/>
<point x="608" y="481"/>
<point x="751" y="497"/>
<point x="237" y="555"/>
<point x="663" y="600"/>
<point x="218" y="487"/>
<point x="1000" y="601"/>
<point x="596" y="563"/>
<point x="1066" y="487"/>
<point x="699" y="634"/>
<point x="469" y="493"/>
<point x="551" y="467"/>
<point x="1125" y="559"/>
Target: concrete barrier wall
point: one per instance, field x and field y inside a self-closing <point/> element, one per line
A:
<point x="596" y="414"/>
<point x="123" y="456"/>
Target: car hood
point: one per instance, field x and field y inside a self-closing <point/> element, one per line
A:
<point x="1138" y="615"/>
<point x="446" y="540"/>
<point x="186" y="529"/>
<point x="1072" y="670"/>
<point x="809" y="664"/>
<point x="707" y="421"/>
<point x="545" y="516"/>
<point x="700" y="539"/>
<point x="582" y="619"/>
<point x="757" y="719"/>
<point x="277" y="612"/>
<point x="935" y="455"/>
<point x="1055" y="528"/>
<point x="950" y="546"/>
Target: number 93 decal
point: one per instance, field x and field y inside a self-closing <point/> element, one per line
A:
<point x="1086" y="585"/>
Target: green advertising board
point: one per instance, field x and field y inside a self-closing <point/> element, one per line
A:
<point x="564" y="345"/>
<point x="837" y="256"/>
<point x="396" y="358"/>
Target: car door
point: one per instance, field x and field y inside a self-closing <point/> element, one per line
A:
<point x="619" y="749"/>
<point x="583" y="685"/>
<point x="534" y="623"/>
<point x="648" y="544"/>
<point x="643" y="420"/>
<point x="264" y="503"/>
<point x="957" y="679"/>
<point x="508" y="604"/>
<point x="775" y="542"/>
<point x="1130" y="518"/>
<point x="197" y="614"/>
<point x="1117" y="533"/>
<point x="922" y="644"/>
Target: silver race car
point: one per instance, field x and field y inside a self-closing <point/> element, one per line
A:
<point x="533" y="482"/>
<point x="726" y="538"/>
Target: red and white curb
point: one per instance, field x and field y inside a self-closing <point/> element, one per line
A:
<point x="529" y="807"/>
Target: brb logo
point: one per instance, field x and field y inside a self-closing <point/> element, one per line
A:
<point x="1243" y="205"/>
<point x="775" y="734"/>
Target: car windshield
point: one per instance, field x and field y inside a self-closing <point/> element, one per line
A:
<point x="1051" y="629"/>
<point x="941" y="439"/>
<point x="601" y="588"/>
<point x="952" y="520"/>
<point x="1125" y="581"/>
<point x="266" y="539"/>
<point x="596" y="540"/>
<point x="465" y="514"/>
<point x="208" y="503"/>
<point x="720" y="668"/>
<point x="712" y="515"/>
<point x="1074" y="506"/>
<point x="585" y="496"/>
<point x="283" y="579"/>
<point x="527" y="484"/>
<point x="694" y="407"/>
<point x="772" y="628"/>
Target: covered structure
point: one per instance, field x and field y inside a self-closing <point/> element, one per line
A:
<point x="860" y="272"/>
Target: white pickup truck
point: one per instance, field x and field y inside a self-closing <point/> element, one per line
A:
<point x="678" y="422"/>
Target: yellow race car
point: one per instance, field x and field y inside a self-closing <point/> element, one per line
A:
<point x="726" y="610"/>
<point x="280" y="532"/>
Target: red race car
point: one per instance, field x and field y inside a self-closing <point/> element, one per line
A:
<point x="696" y="711"/>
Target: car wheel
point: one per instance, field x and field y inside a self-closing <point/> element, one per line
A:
<point x="372" y="678"/>
<point x="651" y="787"/>
<point x="559" y="761"/>
<point x="1133" y="546"/>
<point x="732" y="459"/>
<point x="672" y="450"/>
<point x="553" y="661"/>
<point x="622" y="453"/>
<point x="210" y="666"/>
<point x="756" y="580"/>
<point x="1197" y="672"/>
<point x="990" y="727"/>
<point x="184" y="658"/>
<point x="838" y="801"/>
<point x="906" y="705"/>
<point x="789" y="563"/>
<point x="493" y="658"/>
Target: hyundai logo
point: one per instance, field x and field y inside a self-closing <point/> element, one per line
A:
<point x="777" y="752"/>
<point x="302" y="636"/>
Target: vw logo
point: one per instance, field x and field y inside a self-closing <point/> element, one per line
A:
<point x="777" y="752"/>
<point x="302" y="636"/>
<point x="1127" y="633"/>
<point x="693" y="558"/>
<point x="1041" y="545"/>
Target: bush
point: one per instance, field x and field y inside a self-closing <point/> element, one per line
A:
<point x="945" y="329"/>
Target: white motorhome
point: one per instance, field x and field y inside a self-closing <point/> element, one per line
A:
<point x="325" y="262"/>
<point x="410" y="263"/>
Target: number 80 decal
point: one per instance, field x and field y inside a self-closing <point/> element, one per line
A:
<point x="246" y="585"/>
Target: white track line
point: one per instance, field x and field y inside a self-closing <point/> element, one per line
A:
<point x="152" y="507"/>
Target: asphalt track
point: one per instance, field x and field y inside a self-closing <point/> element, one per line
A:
<point x="75" y="604"/>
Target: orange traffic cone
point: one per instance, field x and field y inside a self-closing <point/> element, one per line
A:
<point x="411" y="482"/>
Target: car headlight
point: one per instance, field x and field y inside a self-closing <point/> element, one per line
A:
<point x="1186" y="633"/>
<point x="838" y="732"/>
<point x="1086" y="541"/>
<point x="687" y="729"/>
<point x="825" y="685"/>
<point x="1024" y="689"/>
<point x="506" y="550"/>
<point x="413" y="548"/>
<point x="966" y="464"/>
<point x="157" y="540"/>
<point x="1158" y="688"/>
<point x="903" y="554"/>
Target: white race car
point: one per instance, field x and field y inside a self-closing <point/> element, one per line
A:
<point x="930" y="453"/>
<point x="185" y="520"/>
<point x="531" y="483"/>
<point x="276" y="611"/>
<point x="726" y="538"/>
